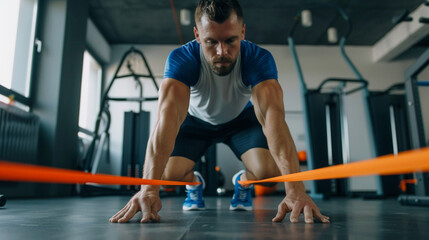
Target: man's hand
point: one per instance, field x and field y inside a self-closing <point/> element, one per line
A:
<point x="148" y="203"/>
<point x="296" y="203"/>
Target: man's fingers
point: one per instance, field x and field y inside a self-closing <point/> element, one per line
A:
<point x="149" y="213"/>
<point x="308" y="214"/>
<point x="294" y="215"/>
<point x="119" y="214"/>
<point x="116" y="216"/>
<point x="154" y="217"/>
<point x="281" y="212"/>
<point x="145" y="208"/>
<point x="132" y="210"/>
<point x="320" y="217"/>
<point x="145" y="217"/>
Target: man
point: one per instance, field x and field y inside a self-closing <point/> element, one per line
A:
<point x="204" y="99"/>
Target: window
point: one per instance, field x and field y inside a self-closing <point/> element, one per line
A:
<point x="90" y="92"/>
<point x="17" y="25"/>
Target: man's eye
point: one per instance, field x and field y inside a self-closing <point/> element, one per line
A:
<point x="210" y="42"/>
<point x="230" y="41"/>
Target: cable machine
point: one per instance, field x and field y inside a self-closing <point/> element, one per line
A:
<point x="327" y="134"/>
<point x="420" y="194"/>
<point x="136" y="125"/>
<point x="390" y="125"/>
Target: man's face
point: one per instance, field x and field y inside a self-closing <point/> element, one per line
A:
<point x="220" y="42"/>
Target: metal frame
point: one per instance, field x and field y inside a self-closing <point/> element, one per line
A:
<point x="390" y="130"/>
<point x="421" y="189"/>
<point x="314" y="188"/>
<point x="104" y="107"/>
<point x="17" y="96"/>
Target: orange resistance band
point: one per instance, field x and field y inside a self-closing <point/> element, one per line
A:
<point x="30" y="173"/>
<point x="405" y="162"/>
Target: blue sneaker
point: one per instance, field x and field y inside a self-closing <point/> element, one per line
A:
<point x="242" y="199"/>
<point x="194" y="200"/>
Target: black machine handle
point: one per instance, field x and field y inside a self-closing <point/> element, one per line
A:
<point x="403" y="17"/>
<point x="345" y="80"/>
<point x="401" y="86"/>
<point x="398" y="86"/>
<point x="124" y="99"/>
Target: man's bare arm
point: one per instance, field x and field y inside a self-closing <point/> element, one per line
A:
<point x="269" y="109"/>
<point x="268" y="100"/>
<point x="172" y="111"/>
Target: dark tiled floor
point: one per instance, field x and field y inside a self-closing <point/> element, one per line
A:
<point x="87" y="218"/>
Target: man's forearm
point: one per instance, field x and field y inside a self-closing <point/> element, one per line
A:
<point x="160" y="145"/>
<point x="282" y="148"/>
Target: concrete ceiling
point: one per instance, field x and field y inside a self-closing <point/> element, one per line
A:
<point x="267" y="21"/>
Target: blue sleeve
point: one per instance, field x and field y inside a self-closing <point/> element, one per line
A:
<point x="183" y="64"/>
<point x="257" y="64"/>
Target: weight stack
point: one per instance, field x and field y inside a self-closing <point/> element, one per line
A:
<point x="136" y="135"/>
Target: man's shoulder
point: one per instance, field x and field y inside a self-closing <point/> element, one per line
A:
<point x="251" y="51"/>
<point x="190" y="49"/>
<point x="183" y="63"/>
<point x="257" y="64"/>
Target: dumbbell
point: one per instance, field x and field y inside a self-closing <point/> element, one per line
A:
<point x="2" y="200"/>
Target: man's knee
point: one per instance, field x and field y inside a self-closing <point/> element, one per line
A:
<point x="178" y="169"/>
<point x="172" y="175"/>
<point x="262" y="173"/>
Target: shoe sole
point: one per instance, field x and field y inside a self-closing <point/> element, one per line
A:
<point x="240" y="208"/>
<point x="192" y="208"/>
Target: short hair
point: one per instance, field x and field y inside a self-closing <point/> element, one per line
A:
<point x="217" y="10"/>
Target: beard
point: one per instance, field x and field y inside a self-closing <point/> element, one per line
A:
<point x="222" y="66"/>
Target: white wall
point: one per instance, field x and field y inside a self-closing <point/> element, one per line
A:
<point x="96" y="42"/>
<point x="318" y="63"/>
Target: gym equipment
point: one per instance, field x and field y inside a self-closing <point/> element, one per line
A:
<point x="132" y="161"/>
<point x="417" y="134"/>
<point x="136" y="135"/>
<point x="2" y="200"/>
<point x="390" y="125"/>
<point x="324" y="114"/>
<point x="420" y="194"/>
<point x="207" y="168"/>
<point x="403" y="17"/>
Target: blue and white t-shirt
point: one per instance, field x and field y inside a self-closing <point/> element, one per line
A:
<point x="219" y="99"/>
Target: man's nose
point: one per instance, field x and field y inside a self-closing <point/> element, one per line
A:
<point x="221" y="49"/>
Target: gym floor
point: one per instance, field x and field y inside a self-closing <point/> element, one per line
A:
<point x="87" y="218"/>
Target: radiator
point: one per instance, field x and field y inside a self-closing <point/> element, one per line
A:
<point x="19" y="134"/>
<point x="19" y="137"/>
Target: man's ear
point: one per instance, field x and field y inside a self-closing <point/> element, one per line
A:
<point x="243" y="32"/>
<point x="197" y="35"/>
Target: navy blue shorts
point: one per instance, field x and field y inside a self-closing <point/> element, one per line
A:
<point x="240" y="134"/>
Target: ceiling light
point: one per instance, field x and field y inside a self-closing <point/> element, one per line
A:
<point x="332" y="35"/>
<point x="185" y="17"/>
<point x="306" y="20"/>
